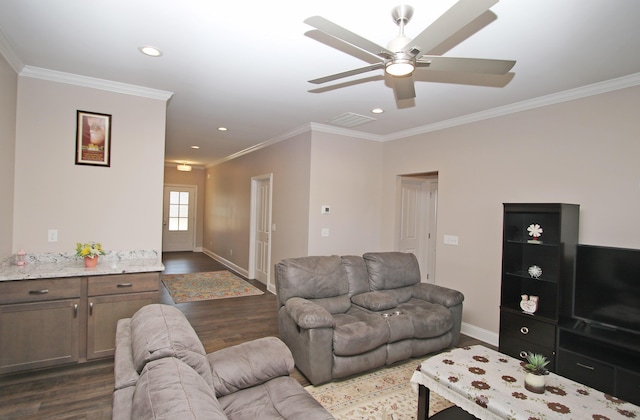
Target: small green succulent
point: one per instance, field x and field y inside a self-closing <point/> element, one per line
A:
<point x="537" y="364"/>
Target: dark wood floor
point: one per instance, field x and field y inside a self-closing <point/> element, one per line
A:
<point x="84" y="391"/>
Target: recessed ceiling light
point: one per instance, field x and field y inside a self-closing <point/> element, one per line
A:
<point x="222" y="128"/>
<point x="195" y="147"/>
<point x="377" y="110"/>
<point x="150" y="51"/>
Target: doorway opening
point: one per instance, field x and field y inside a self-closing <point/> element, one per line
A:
<point x="416" y="216"/>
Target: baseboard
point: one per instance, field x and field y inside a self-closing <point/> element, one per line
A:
<point x="226" y="263"/>
<point x="480" y="334"/>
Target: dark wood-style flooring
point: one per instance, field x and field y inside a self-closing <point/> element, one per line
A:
<point x="84" y="391"/>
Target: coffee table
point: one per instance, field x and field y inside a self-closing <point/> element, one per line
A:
<point x="490" y="385"/>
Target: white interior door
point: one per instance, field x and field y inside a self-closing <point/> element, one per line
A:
<point x="261" y="232"/>
<point x="178" y="231"/>
<point x="417" y="203"/>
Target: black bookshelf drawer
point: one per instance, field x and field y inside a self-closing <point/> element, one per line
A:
<point x="628" y="386"/>
<point x="586" y="371"/>
<point x="527" y="328"/>
<point x="519" y="349"/>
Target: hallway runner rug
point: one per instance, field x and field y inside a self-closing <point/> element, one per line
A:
<point x="385" y="394"/>
<point x="206" y="286"/>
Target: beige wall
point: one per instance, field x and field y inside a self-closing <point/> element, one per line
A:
<point x="228" y="200"/>
<point x="9" y="89"/>
<point x="194" y="178"/>
<point x="345" y="174"/>
<point x="121" y="206"/>
<point x="584" y="151"/>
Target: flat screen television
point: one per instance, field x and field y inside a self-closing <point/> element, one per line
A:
<point x="607" y="287"/>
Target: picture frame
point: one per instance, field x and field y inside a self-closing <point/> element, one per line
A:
<point x="93" y="139"/>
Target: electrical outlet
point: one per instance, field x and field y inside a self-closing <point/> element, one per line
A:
<point x="325" y="232"/>
<point x="52" y="235"/>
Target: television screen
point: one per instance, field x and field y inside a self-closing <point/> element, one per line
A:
<point x="607" y="287"/>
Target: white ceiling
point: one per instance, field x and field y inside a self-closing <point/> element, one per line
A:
<point x="245" y="66"/>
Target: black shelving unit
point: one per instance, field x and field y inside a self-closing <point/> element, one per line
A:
<point x="553" y="253"/>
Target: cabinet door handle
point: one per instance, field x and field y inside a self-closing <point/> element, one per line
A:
<point x="585" y="366"/>
<point x="90" y="308"/>
<point x="125" y="285"/>
<point x="75" y="310"/>
<point x="39" y="292"/>
<point x="524" y="330"/>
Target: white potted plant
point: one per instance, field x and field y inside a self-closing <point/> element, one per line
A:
<point x="536" y="367"/>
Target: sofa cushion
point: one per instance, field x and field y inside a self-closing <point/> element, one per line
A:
<point x="249" y="364"/>
<point x="358" y="332"/>
<point x="280" y="398"/>
<point x="357" y="274"/>
<point x="170" y="389"/>
<point x="375" y="301"/>
<point x="159" y="331"/>
<point x="391" y="270"/>
<point x="429" y="319"/>
<point x="310" y="278"/>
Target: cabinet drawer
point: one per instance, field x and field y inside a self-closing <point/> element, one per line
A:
<point x="628" y="386"/>
<point x="18" y="291"/>
<point x="520" y="348"/>
<point x="123" y="283"/>
<point x="586" y="371"/>
<point x="525" y="327"/>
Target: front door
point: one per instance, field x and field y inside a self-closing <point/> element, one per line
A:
<point x="178" y="218"/>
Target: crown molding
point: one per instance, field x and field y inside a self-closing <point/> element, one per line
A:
<point x="554" y="98"/>
<point x="7" y="51"/>
<point x="94" y="83"/>
<point x="346" y="132"/>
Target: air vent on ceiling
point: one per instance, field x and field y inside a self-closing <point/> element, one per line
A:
<point x="349" y="119"/>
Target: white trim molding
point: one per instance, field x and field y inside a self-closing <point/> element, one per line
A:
<point x="94" y="83"/>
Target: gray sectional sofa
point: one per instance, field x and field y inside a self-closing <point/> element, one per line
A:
<point x="163" y="372"/>
<point x="345" y="315"/>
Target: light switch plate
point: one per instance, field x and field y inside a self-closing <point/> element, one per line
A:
<point x="450" y="240"/>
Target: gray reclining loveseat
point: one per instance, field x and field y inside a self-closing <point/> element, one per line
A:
<point x="344" y="315"/>
<point x="163" y="372"/>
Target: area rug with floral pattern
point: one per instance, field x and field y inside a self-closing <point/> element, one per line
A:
<point x="382" y="394"/>
<point x="206" y="286"/>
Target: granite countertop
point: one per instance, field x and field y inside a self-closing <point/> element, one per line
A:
<point x="43" y="266"/>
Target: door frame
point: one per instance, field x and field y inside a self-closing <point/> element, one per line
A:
<point x="252" y="230"/>
<point x="194" y="223"/>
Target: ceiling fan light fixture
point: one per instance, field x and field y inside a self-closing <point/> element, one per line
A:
<point x="400" y="67"/>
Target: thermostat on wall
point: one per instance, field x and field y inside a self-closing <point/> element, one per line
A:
<point x="325" y="209"/>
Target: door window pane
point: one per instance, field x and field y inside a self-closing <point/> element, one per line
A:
<point x="178" y="210"/>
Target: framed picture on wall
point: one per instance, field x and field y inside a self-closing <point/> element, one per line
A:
<point x="93" y="139"/>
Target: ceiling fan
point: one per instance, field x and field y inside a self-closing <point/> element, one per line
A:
<point x="403" y="55"/>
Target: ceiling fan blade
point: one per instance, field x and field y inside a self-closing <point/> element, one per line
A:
<point x="346" y="74"/>
<point x="469" y="65"/>
<point x="454" y="19"/>
<point x="347" y="36"/>
<point x="403" y="87"/>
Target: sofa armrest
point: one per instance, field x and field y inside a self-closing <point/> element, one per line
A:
<point x="308" y="315"/>
<point x="124" y="368"/>
<point x="375" y="301"/>
<point x="249" y="364"/>
<point x="437" y="294"/>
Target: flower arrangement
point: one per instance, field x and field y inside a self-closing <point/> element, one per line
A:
<point x="91" y="249"/>
<point x="537" y="364"/>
